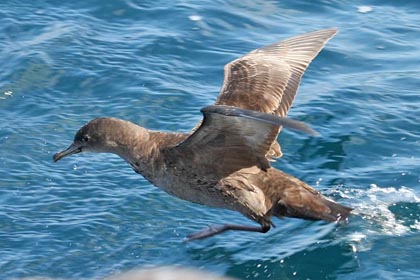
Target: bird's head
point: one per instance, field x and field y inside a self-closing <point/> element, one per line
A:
<point x="98" y="135"/>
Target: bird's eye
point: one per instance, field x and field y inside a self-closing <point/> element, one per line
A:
<point x="85" y="138"/>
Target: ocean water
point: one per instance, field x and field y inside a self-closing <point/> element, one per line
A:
<point x="156" y="63"/>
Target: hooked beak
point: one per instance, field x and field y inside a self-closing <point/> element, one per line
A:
<point x="71" y="150"/>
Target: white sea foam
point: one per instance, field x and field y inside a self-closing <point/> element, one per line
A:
<point x="374" y="204"/>
<point x="364" y="9"/>
<point x="195" y="18"/>
<point x="377" y="219"/>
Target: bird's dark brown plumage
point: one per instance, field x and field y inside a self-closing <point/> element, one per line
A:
<point x="224" y="161"/>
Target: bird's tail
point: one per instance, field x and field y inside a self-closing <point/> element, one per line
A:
<point x="336" y="212"/>
<point x="299" y="200"/>
<point x="317" y="208"/>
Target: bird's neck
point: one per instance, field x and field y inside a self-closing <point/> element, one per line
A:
<point x="140" y="147"/>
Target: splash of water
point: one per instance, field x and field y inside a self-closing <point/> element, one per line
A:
<point x="373" y="207"/>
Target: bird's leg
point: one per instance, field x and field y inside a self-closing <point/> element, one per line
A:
<point x="216" y="229"/>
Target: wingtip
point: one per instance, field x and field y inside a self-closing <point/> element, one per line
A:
<point x="298" y="125"/>
<point x="334" y="31"/>
<point x="327" y="34"/>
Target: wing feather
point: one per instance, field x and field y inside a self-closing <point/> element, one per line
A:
<point x="268" y="78"/>
<point x="229" y="139"/>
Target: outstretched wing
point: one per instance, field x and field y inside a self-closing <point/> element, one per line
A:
<point x="229" y="139"/>
<point x="267" y="79"/>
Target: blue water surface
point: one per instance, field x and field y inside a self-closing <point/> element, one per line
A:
<point x="156" y="63"/>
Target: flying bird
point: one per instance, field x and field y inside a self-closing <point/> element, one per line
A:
<point x="225" y="160"/>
